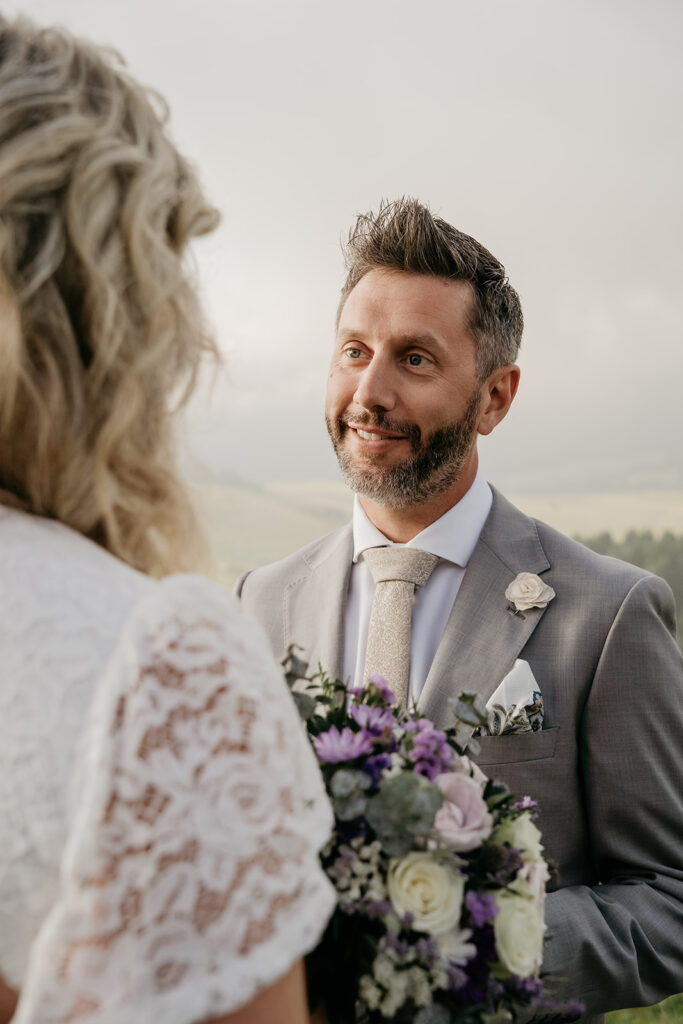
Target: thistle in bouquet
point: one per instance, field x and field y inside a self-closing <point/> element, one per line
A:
<point x="439" y="873"/>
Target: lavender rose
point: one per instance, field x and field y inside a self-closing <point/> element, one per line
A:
<point x="463" y="820"/>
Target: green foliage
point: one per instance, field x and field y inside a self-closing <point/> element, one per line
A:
<point x="347" y="789"/>
<point x="405" y="807"/>
<point x="662" y="555"/>
<point x="668" y="1012"/>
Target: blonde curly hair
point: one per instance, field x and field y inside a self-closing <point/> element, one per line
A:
<point x="101" y="334"/>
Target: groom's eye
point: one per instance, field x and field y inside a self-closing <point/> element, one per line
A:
<point x="415" y="359"/>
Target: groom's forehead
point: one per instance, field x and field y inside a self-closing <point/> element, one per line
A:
<point x="407" y="301"/>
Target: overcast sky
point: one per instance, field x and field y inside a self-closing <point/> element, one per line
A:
<point x="549" y="129"/>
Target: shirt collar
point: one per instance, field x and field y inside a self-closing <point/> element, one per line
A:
<point x="453" y="537"/>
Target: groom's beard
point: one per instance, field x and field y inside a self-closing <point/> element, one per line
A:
<point x="432" y="467"/>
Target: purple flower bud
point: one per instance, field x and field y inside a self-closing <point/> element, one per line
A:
<point x="382" y="686"/>
<point x="481" y="906"/>
<point x="376" y="765"/>
<point x="527" y="804"/>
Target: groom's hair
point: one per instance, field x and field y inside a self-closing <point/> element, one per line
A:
<point x="404" y="235"/>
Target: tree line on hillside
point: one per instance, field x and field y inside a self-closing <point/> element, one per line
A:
<point x="662" y="555"/>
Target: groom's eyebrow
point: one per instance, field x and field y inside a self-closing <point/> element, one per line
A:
<point x="348" y="334"/>
<point x="417" y="339"/>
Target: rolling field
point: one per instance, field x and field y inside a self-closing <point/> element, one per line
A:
<point x="250" y="526"/>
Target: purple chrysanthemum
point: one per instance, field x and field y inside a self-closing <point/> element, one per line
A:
<point x="333" y="746"/>
<point x="374" y="720"/>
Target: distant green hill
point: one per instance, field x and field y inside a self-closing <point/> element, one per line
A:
<point x="662" y="555"/>
<point x="248" y="525"/>
<point x="668" y="1012"/>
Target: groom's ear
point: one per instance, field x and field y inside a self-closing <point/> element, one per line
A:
<point x="497" y="393"/>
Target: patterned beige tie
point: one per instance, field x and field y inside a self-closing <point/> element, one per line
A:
<point x="398" y="573"/>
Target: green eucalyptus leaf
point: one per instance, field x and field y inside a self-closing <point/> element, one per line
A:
<point x="501" y="1016"/>
<point x="294" y="666"/>
<point x="347" y="787"/>
<point x="433" y="1014"/>
<point x="305" y="704"/>
<point x="405" y="807"/>
<point x="473" y="747"/>
<point x="346" y="809"/>
<point x="470" y="709"/>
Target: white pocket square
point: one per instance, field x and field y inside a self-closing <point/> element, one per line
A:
<point x="517" y="704"/>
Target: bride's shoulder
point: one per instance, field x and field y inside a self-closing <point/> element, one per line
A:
<point x="188" y="619"/>
<point x="40" y="548"/>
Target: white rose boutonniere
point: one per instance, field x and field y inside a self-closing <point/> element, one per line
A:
<point x="528" y="590"/>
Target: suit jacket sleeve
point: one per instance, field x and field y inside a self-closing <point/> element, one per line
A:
<point x="239" y="584"/>
<point x="624" y="937"/>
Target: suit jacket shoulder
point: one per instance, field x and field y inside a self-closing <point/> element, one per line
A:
<point x="300" y="599"/>
<point x="299" y="564"/>
<point x="508" y="531"/>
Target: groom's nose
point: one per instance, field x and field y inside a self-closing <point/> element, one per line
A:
<point x="376" y="387"/>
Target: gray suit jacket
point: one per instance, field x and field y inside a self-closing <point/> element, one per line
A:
<point x="606" y="768"/>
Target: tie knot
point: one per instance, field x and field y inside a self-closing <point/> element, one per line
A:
<point x="396" y="563"/>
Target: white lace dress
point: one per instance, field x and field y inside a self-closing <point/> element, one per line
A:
<point x="161" y="809"/>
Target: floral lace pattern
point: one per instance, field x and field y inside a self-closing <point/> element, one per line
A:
<point x="189" y="877"/>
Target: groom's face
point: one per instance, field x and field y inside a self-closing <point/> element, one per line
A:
<point x="403" y="396"/>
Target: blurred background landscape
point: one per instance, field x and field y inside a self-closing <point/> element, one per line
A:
<point x="247" y="525"/>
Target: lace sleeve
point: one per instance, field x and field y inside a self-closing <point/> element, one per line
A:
<point x="191" y="878"/>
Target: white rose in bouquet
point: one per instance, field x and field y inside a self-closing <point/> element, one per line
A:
<point x="535" y="875"/>
<point x="428" y="888"/>
<point x="518" y="929"/>
<point x="523" y="835"/>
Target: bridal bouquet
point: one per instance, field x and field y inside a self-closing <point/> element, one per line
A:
<point x="439" y="873"/>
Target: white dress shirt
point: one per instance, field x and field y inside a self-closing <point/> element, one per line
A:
<point x="453" y="538"/>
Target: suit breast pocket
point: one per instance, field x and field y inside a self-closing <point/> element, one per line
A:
<point x="517" y="747"/>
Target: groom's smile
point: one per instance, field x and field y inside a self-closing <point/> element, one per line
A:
<point x="370" y="436"/>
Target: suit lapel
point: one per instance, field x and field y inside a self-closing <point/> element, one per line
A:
<point x="483" y="636"/>
<point x="314" y="604"/>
